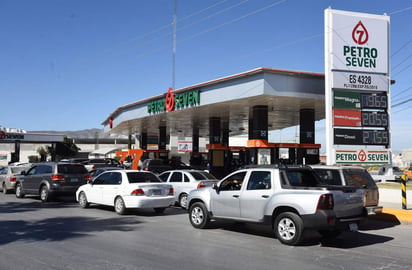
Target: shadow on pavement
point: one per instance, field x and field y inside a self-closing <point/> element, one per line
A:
<point x="310" y="237"/>
<point x="382" y="221"/>
<point x="61" y="228"/>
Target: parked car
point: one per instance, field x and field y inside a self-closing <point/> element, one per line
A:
<point x="51" y="178"/>
<point x="176" y="164"/>
<point x="396" y="172"/>
<point x="352" y="176"/>
<point x="156" y="165"/>
<point x="8" y="176"/>
<point x="408" y="173"/>
<point x="126" y="189"/>
<point x="290" y="198"/>
<point x="98" y="171"/>
<point x="95" y="163"/>
<point x="184" y="181"/>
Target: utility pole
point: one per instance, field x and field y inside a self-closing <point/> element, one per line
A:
<point x="174" y="47"/>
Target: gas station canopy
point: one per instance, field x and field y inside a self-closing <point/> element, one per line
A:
<point x="231" y="98"/>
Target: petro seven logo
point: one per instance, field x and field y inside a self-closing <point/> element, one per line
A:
<point x="360" y="55"/>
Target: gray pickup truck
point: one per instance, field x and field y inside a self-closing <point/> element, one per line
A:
<point x="289" y="198"/>
<point x="352" y="176"/>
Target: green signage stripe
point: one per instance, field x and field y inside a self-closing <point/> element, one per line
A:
<point x="346" y="100"/>
<point x="184" y="100"/>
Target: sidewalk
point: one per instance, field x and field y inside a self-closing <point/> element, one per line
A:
<point x="391" y="200"/>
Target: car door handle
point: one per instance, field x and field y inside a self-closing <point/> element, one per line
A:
<point x="235" y="196"/>
<point x="265" y="196"/>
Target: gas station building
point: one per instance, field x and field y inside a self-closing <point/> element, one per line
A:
<point x="251" y="103"/>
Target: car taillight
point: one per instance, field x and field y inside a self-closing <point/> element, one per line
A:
<point x="201" y="184"/>
<point x="57" y="177"/>
<point x="88" y="177"/>
<point x="13" y="179"/>
<point x="137" y="192"/>
<point x="171" y="191"/>
<point x="146" y="168"/>
<point x="325" y="202"/>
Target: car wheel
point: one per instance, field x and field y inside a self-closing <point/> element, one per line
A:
<point x="199" y="216"/>
<point x="183" y="200"/>
<point x="44" y="194"/>
<point x="19" y="191"/>
<point x="119" y="206"/>
<point x="160" y="210"/>
<point x="83" y="200"/>
<point x="330" y="233"/>
<point x="4" y="188"/>
<point x="288" y="228"/>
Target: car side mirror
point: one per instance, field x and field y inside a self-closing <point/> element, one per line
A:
<point x="216" y="187"/>
<point x="23" y="173"/>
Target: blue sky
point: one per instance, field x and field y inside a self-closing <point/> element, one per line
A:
<point x="67" y="64"/>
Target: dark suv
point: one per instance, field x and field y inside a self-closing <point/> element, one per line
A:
<point x="51" y="178"/>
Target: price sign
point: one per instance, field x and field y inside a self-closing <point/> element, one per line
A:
<point x="375" y="137"/>
<point x="374" y="101"/>
<point x="374" y="119"/>
<point x="361" y="137"/>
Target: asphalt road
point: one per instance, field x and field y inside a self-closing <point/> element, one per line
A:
<point x="60" y="235"/>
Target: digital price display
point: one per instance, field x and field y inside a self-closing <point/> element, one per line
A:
<point x="375" y="137"/>
<point x="374" y="101"/>
<point x="361" y="137"/>
<point x="375" y="119"/>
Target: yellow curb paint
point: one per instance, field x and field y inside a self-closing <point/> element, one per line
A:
<point x="401" y="215"/>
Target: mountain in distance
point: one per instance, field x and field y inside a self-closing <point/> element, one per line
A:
<point x="81" y="134"/>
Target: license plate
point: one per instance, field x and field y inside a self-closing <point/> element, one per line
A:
<point x="74" y="180"/>
<point x="353" y="227"/>
<point x="156" y="192"/>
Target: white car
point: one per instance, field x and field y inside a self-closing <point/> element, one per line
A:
<point x="125" y="189"/>
<point x="184" y="181"/>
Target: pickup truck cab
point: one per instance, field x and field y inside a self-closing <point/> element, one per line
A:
<point x="289" y="198"/>
<point x="352" y="176"/>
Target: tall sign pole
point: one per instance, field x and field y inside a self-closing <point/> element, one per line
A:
<point x="357" y="88"/>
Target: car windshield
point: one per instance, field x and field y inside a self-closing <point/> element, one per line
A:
<point x="202" y="175"/>
<point x="142" y="177"/>
<point x="71" y="169"/>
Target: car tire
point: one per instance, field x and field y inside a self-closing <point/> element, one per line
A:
<point x="288" y="228"/>
<point x="119" y="206"/>
<point x="183" y="200"/>
<point x="199" y="216"/>
<point x="44" y="193"/>
<point x="83" y="200"/>
<point x="19" y="191"/>
<point x="159" y="210"/>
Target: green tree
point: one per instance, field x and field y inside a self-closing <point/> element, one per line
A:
<point x="65" y="149"/>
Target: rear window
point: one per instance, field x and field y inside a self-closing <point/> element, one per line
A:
<point x="142" y="177"/>
<point x="202" y="175"/>
<point x="17" y="170"/>
<point x="356" y="177"/>
<point x="331" y="177"/>
<point x="71" y="169"/>
<point x="300" y="178"/>
<point x="156" y="162"/>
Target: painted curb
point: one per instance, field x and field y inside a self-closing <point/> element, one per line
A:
<point x="403" y="216"/>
